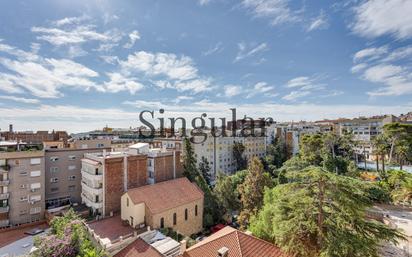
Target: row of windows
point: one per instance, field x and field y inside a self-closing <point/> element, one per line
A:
<point x="55" y="180"/>
<point x="56" y="169"/>
<point x="55" y="158"/>
<point x="70" y="188"/>
<point x="162" y="220"/>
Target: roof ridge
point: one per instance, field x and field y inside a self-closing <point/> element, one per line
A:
<point x="257" y="238"/>
<point x="202" y="243"/>
<point x="238" y="242"/>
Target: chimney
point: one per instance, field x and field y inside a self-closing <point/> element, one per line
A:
<point x="11" y="128"/>
<point x="183" y="245"/>
<point x="223" y="252"/>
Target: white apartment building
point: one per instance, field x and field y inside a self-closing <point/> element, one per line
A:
<point x="219" y="151"/>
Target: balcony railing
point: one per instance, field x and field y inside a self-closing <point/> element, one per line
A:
<point x="97" y="178"/>
<point x="4" y="182"/>
<point x="4" y="209"/>
<point x="4" y="196"/>
<point x="4" y="223"/>
<point x="90" y="203"/>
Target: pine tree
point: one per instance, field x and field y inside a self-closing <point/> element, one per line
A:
<point x="189" y="161"/>
<point x="238" y="149"/>
<point x="204" y="169"/>
<point x="252" y="189"/>
<point x="321" y="213"/>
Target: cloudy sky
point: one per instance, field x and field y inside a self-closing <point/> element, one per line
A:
<point x="79" y="65"/>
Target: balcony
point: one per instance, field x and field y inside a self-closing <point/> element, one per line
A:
<point x="4" y="182"/>
<point x="4" y="209"/>
<point x="4" y="168"/>
<point x="4" y="223"/>
<point x="92" y="190"/>
<point x="92" y="177"/>
<point x="93" y="204"/>
<point x="4" y="196"/>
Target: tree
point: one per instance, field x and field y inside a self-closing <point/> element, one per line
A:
<point x="310" y="149"/>
<point x="276" y="154"/>
<point x="252" y="189"/>
<point x="396" y="131"/>
<point x="320" y="214"/>
<point x="189" y="161"/>
<point x="380" y="149"/>
<point x="404" y="192"/>
<point x="67" y="237"/>
<point x="204" y="169"/>
<point x="238" y="149"/>
<point x="211" y="212"/>
<point x="227" y="193"/>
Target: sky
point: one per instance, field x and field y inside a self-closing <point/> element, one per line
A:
<point x="80" y="65"/>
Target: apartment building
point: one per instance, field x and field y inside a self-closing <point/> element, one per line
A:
<point x="176" y="204"/>
<point x="219" y="151"/>
<point x="22" y="189"/>
<point x="63" y="175"/>
<point x="106" y="176"/>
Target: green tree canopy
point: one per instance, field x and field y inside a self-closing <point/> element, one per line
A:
<point x="238" y="149"/>
<point x="252" y="189"/>
<point x="320" y="213"/>
<point x="204" y="169"/>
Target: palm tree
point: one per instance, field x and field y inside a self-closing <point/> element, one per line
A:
<point x="404" y="192"/>
<point x="380" y="148"/>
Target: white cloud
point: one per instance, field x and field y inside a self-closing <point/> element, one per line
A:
<point x="319" y="22"/>
<point x="358" y="67"/>
<point x="383" y="66"/>
<point x="299" y="82"/>
<point x="294" y="95"/>
<point x="44" y="77"/>
<point x="153" y="64"/>
<point x="276" y="11"/>
<point x="133" y="37"/>
<point x="262" y="88"/>
<point x="375" y="18"/>
<point x="249" y="51"/>
<point x="119" y="83"/>
<point x="204" y="2"/>
<point x="216" y="49"/>
<point x="111" y="59"/>
<point x="371" y="53"/>
<point x="70" y="20"/>
<point x="20" y="99"/>
<point x="232" y="90"/>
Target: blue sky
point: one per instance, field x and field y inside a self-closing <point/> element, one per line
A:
<point x="79" y="65"/>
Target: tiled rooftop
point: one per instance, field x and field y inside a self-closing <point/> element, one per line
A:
<point x="138" y="248"/>
<point x="111" y="228"/>
<point x="238" y="243"/>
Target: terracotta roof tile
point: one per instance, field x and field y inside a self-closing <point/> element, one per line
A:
<point x="238" y="243"/>
<point x="165" y="195"/>
<point x="138" y="248"/>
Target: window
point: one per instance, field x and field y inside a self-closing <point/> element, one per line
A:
<point x="72" y="178"/>
<point x="35" y="161"/>
<point x="162" y="222"/>
<point x="54" y="189"/>
<point x="35" y="173"/>
<point x="127" y="202"/>
<point x="54" y="169"/>
<point x="195" y="210"/>
<point x="23" y="212"/>
<point x="54" y="180"/>
<point x="72" y="188"/>
<point x="174" y="218"/>
<point x="72" y="167"/>
<point x="35" y="210"/>
<point x="100" y="145"/>
<point x="131" y="221"/>
<point x="54" y="158"/>
<point x="72" y="157"/>
<point x="23" y="198"/>
<point x="35" y="198"/>
<point x="22" y="186"/>
<point x="186" y="214"/>
<point x="23" y="173"/>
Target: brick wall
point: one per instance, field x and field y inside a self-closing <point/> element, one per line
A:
<point x="113" y="184"/>
<point x="136" y="171"/>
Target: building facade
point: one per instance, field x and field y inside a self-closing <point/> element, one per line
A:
<point x="176" y="204"/>
<point x="22" y="189"/>
<point x="63" y="175"/>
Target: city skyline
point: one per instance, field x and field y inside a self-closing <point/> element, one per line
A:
<point x="81" y="66"/>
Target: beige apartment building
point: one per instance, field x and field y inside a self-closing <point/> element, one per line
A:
<point x="22" y="189"/>
<point x="90" y="143"/>
<point x="63" y="175"/>
<point x="176" y="204"/>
